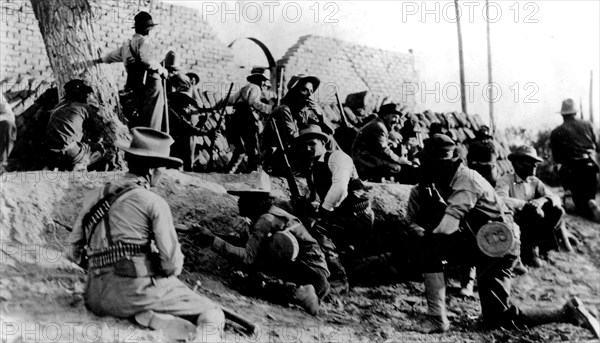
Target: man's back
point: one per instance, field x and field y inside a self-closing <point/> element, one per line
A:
<point x="573" y="139"/>
<point x="66" y="124"/>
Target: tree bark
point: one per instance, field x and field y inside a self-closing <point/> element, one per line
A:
<point x="70" y="39"/>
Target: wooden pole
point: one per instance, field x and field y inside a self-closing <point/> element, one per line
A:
<point x="489" y="57"/>
<point x="592" y="96"/>
<point x="581" y="108"/>
<point x="463" y="96"/>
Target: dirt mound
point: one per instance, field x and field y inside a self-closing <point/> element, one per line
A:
<point x="41" y="293"/>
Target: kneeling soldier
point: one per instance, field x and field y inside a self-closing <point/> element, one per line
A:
<point x="126" y="234"/>
<point x="278" y="245"/>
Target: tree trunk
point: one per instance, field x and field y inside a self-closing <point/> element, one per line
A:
<point x="66" y="27"/>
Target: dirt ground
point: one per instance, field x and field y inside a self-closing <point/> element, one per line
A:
<point x="41" y="293"/>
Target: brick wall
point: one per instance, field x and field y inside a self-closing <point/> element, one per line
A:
<point x="181" y="29"/>
<point x="349" y="68"/>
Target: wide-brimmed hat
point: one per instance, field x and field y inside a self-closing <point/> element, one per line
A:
<point x="257" y="184"/>
<point x="179" y="80"/>
<point x="152" y="145"/>
<point x="301" y="78"/>
<point x="390" y="108"/>
<point x="143" y="20"/>
<point x="78" y="86"/>
<point x="524" y="152"/>
<point x="568" y="107"/>
<point x="195" y="78"/>
<point x="259" y="73"/>
<point x="310" y="132"/>
<point x="439" y="147"/>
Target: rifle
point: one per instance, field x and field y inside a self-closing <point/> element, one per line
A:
<point x="289" y="174"/>
<point x="342" y="113"/>
<point x="221" y="119"/>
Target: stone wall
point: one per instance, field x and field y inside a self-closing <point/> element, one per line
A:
<point x="348" y="68"/>
<point x="180" y="29"/>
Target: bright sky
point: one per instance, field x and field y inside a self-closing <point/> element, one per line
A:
<point x="542" y="51"/>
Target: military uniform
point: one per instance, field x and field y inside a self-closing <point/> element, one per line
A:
<point x="143" y="281"/>
<point x="8" y="130"/>
<point x="308" y="268"/>
<point x="65" y="134"/>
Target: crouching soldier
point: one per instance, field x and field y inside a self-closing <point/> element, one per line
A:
<point x="278" y="245"/>
<point x="125" y="233"/>
<point x="537" y="210"/>
<point x="472" y="203"/>
<point x="70" y="128"/>
<point x="344" y="216"/>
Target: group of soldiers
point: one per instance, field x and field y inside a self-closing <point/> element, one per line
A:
<point x="301" y="252"/>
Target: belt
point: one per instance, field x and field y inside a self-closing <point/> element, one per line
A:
<point x="111" y="255"/>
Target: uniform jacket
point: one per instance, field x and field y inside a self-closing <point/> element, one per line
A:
<point x="256" y="250"/>
<point x="371" y="148"/>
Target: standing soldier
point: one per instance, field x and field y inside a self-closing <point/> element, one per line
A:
<point x="126" y="234"/>
<point x="245" y="126"/>
<point x="471" y="203"/>
<point x="574" y="146"/>
<point x="344" y="214"/>
<point x="144" y="72"/>
<point x="8" y="131"/>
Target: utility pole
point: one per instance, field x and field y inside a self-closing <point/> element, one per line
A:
<point x="463" y="96"/>
<point x="592" y="96"/>
<point x="489" y="57"/>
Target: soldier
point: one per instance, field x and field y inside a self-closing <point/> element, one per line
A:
<point x="132" y="250"/>
<point x="296" y="112"/>
<point x="182" y="107"/>
<point x="144" y="72"/>
<point x="471" y="203"/>
<point x="371" y="150"/>
<point x="538" y="211"/>
<point x="574" y="145"/>
<point x="8" y="131"/>
<point x="344" y="214"/>
<point x="70" y="128"/>
<point x="482" y="155"/>
<point x="245" y="125"/>
<point x="280" y="247"/>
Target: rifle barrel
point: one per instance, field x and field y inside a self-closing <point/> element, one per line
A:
<point x="219" y="123"/>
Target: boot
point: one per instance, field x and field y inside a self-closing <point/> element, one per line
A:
<point x="536" y="259"/>
<point x="338" y="279"/>
<point x="306" y="297"/>
<point x="573" y="312"/>
<point x="595" y="209"/>
<point x="435" y="292"/>
<point x="173" y="328"/>
<point x="519" y="268"/>
<point x="468" y="283"/>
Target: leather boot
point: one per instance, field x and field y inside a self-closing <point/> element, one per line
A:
<point x="338" y="279"/>
<point x="173" y="328"/>
<point x="595" y="209"/>
<point x="563" y="237"/>
<point x="435" y="292"/>
<point x="468" y="282"/>
<point x="573" y="312"/>
<point x="306" y="296"/>
<point x="519" y="268"/>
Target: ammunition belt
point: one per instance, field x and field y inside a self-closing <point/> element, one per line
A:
<point x="116" y="253"/>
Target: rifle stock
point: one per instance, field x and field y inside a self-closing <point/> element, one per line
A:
<point x="289" y="174"/>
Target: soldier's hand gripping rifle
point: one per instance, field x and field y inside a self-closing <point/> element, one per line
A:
<point x="218" y="127"/>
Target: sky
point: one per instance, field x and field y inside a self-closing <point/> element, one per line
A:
<point x="542" y="51"/>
